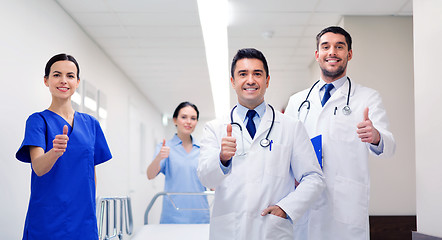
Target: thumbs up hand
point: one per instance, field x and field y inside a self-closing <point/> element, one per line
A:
<point x="60" y="142"/>
<point x="228" y="146"/>
<point x="164" y="151"/>
<point x="229" y="130"/>
<point x="366" y="131"/>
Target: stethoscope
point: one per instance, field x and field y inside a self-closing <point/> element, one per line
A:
<point x="264" y="142"/>
<point x="346" y="109"/>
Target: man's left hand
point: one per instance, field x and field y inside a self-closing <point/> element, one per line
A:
<point x="274" y="210"/>
<point x="366" y="131"/>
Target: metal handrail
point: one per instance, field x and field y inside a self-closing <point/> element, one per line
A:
<point x="149" y="207"/>
<point x="105" y="204"/>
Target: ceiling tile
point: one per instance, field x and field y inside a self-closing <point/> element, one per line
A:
<point x="109" y="43"/>
<point x="159" y="19"/>
<point x="272" y="6"/>
<point x="164" y="31"/>
<point x="353" y="7"/>
<point x="152" y="6"/>
<point x="247" y="19"/>
<point x="83" y="6"/>
<point x="162" y="42"/>
<point x="106" y="31"/>
<point x="96" y="19"/>
<point x="325" y="19"/>
<point x="266" y="31"/>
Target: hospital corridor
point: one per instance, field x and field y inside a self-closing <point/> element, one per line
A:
<point x="193" y="119"/>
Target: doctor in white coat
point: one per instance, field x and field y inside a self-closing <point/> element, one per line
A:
<point x="352" y="123"/>
<point x="254" y="185"/>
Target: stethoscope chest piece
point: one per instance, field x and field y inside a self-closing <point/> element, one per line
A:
<point x="346" y="110"/>
<point x="264" y="142"/>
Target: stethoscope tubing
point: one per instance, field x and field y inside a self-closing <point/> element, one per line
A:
<point x="306" y="101"/>
<point x="264" y="142"/>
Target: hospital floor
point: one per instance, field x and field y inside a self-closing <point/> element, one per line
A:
<point x="392" y="227"/>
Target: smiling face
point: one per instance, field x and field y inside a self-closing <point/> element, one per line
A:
<point x="186" y="121"/>
<point x="62" y="79"/>
<point x="250" y="82"/>
<point x="333" y="55"/>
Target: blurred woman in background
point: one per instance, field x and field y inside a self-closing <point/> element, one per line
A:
<point x="177" y="159"/>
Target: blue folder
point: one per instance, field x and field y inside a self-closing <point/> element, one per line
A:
<point x="317" y="145"/>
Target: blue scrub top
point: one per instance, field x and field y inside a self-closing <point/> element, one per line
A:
<point x="180" y="172"/>
<point x="62" y="202"/>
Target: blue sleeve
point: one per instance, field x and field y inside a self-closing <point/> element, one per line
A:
<point x="35" y="135"/>
<point x="101" y="149"/>
<point x="379" y="148"/>
<point x="226" y="169"/>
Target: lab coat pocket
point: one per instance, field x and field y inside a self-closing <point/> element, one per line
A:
<point x="277" y="162"/>
<point x="343" y="127"/>
<point x="351" y="202"/>
<point x="278" y="228"/>
<point x="223" y="227"/>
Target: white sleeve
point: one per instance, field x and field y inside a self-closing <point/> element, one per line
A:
<point x="209" y="169"/>
<point x="308" y="173"/>
<point x="378" y="116"/>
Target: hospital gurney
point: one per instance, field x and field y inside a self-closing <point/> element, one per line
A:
<point x="106" y="205"/>
<point x="172" y="231"/>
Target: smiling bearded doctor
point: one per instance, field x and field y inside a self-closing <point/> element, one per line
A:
<point x="252" y="158"/>
<point x="352" y="122"/>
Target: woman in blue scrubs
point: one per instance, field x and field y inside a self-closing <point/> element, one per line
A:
<point x="177" y="159"/>
<point x="63" y="147"/>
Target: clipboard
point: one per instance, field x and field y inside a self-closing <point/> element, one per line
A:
<point x="317" y="145"/>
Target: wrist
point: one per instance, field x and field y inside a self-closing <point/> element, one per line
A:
<point x="226" y="163"/>
<point x="54" y="153"/>
<point x="378" y="138"/>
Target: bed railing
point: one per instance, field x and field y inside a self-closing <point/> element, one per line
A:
<point x="121" y="211"/>
<point x="149" y="207"/>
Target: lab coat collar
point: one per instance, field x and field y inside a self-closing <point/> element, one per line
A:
<point x="341" y="91"/>
<point x="242" y="111"/>
<point x="344" y="88"/>
<point x="336" y="83"/>
<point x="266" y="122"/>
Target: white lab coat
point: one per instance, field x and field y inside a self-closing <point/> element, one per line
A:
<point x="342" y="211"/>
<point x="260" y="178"/>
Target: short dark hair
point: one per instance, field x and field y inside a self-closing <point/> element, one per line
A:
<point x="61" y="57"/>
<point x="183" y="105"/>
<point x="249" y="53"/>
<point x="336" y="30"/>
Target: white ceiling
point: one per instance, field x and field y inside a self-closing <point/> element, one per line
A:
<point x="160" y="47"/>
